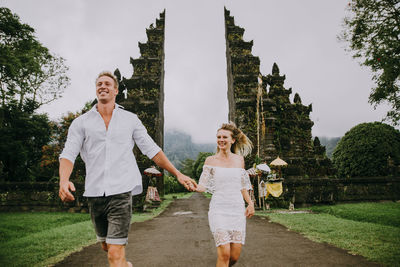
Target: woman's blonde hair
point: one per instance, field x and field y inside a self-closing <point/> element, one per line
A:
<point x="242" y="145"/>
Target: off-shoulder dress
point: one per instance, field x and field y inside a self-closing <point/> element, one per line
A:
<point x="226" y="215"/>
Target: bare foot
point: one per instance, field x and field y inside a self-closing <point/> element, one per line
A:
<point x="129" y="264"/>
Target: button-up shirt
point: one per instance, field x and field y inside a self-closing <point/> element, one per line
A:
<point x="111" y="166"/>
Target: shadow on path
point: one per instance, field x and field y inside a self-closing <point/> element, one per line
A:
<point x="180" y="236"/>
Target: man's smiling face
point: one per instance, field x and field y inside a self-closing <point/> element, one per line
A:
<point x="105" y="89"/>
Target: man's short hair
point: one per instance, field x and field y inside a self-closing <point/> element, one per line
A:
<point x="108" y="74"/>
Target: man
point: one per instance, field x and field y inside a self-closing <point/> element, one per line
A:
<point x="105" y="137"/>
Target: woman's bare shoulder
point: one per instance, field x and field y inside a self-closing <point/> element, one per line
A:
<point x="210" y="160"/>
<point x="239" y="160"/>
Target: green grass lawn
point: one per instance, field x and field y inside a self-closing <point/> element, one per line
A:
<point x="44" y="238"/>
<point x="385" y="213"/>
<point x="368" y="229"/>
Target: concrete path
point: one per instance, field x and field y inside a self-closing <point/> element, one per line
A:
<point x="180" y="236"/>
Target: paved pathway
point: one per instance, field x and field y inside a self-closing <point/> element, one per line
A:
<point x="180" y="237"/>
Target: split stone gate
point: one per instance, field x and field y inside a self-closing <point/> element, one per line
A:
<point x="258" y="104"/>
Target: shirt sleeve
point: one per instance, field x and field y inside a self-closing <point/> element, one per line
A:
<point x="245" y="180"/>
<point x="207" y="179"/>
<point x="143" y="140"/>
<point x="74" y="141"/>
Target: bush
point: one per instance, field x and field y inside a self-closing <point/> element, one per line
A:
<point x="368" y="149"/>
<point x="171" y="185"/>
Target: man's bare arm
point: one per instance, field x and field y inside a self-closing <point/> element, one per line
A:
<point x="65" y="171"/>
<point x="162" y="161"/>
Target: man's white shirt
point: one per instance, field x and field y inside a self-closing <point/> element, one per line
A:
<point x="111" y="166"/>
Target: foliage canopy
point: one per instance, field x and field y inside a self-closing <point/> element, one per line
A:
<point x="373" y="30"/>
<point x="29" y="74"/>
<point x="22" y="137"/>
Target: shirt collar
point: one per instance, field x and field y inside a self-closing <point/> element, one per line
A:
<point x="94" y="108"/>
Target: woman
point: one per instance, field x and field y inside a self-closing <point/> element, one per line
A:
<point x="225" y="177"/>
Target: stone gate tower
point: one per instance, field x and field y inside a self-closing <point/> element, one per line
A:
<point x="143" y="93"/>
<point x="276" y="126"/>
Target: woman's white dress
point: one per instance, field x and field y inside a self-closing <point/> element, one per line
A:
<point x="226" y="215"/>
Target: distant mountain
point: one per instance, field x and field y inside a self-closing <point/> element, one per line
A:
<point x="330" y="143"/>
<point x="179" y="146"/>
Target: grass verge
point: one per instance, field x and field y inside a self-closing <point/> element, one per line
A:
<point x="44" y="238"/>
<point x="354" y="227"/>
<point x="384" y="213"/>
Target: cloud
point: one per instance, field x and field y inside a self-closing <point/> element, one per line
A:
<point x="300" y="36"/>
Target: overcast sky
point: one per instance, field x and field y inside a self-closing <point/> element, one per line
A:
<point x="300" y="36"/>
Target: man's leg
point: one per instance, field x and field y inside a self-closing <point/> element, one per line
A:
<point x="116" y="256"/>
<point x="119" y="213"/>
<point x="97" y="207"/>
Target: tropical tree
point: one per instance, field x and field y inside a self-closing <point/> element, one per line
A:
<point x="187" y="167"/>
<point x="368" y="149"/>
<point x="22" y="136"/>
<point x="372" y="30"/>
<point x="29" y="74"/>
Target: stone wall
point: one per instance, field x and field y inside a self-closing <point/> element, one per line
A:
<point x="301" y="192"/>
<point x="310" y="191"/>
<point x="39" y="196"/>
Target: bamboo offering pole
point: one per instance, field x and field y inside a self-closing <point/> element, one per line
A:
<point x="258" y="186"/>
<point x="259" y="94"/>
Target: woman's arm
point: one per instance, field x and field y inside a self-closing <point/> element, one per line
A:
<point x="204" y="177"/>
<point x="250" y="205"/>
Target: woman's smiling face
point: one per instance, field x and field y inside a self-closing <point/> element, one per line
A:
<point x="224" y="139"/>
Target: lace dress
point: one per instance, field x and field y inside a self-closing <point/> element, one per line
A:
<point x="226" y="215"/>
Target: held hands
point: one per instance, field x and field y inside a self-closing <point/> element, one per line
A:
<point x="249" y="210"/>
<point x="64" y="192"/>
<point x="200" y="188"/>
<point x="187" y="182"/>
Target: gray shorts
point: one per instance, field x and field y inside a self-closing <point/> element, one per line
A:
<point x="111" y="217"/>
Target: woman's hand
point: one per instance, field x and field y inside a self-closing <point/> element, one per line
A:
<point x="200" y="188"/>
<point x="250" y="210"/>
<point x="187" y="182"/>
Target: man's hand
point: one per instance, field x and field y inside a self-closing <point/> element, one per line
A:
<point x="249" y="210"/>
<point x="64" y="192"/>
<point x="187" y="182"/>
<point x="162" y="161"/>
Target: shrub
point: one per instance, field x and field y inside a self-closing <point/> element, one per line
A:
<point x="368" y="149"/>
<point x="171" y="185"/>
